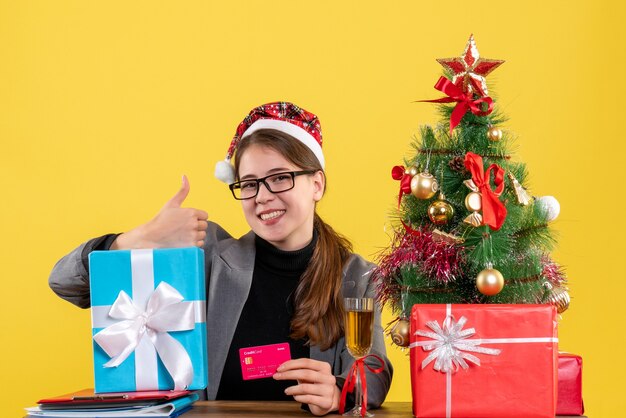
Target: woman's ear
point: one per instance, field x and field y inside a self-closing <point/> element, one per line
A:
<point x="319" y="185"/>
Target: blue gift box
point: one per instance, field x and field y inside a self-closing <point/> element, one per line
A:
<point x="148" y="310"/>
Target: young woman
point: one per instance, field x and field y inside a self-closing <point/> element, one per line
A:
<point x="284" y="281"/>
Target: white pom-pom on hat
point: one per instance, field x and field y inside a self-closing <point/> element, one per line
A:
<point x="224" y="171"/>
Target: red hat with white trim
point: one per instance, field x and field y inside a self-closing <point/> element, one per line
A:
<point x="282" y="116"/>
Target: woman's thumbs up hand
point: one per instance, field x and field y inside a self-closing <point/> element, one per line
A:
<point x="173" y="226"/>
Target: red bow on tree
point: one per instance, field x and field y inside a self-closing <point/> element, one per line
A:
<point x="358" y="369"/>
<point x="399" y="173"/>
<point x="494" y="211"/>
<point x="465" y="101"/>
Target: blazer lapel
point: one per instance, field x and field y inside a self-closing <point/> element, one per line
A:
<point x="228" y="288"/>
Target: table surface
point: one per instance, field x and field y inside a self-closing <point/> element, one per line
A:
<point x="253" y="409"/>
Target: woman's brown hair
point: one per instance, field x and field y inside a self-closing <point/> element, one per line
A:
<point x="318" y="314"/>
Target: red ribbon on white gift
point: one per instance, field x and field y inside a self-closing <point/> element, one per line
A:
<point x="450" y="347"/>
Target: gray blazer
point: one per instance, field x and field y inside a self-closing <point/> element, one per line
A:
<point x="229" y="266"/>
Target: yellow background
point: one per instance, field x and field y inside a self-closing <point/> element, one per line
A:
<point x="105" y="104"/>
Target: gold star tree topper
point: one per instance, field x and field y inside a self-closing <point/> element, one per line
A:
<point x="469" y="70"/>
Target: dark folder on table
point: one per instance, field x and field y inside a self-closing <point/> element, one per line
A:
<point x="87" y="397"/>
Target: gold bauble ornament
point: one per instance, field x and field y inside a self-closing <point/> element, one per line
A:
<point x="559" y="298"/>
<point x="401" y="333"/>
<point x="424" y="185"/>
<point x="494" y="134"/>
<point x="412" y="171"/>
<point x="489" y="281"/>
<point x="440" y="211"/>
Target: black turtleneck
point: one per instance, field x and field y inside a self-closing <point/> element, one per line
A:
<point x="265" y="319"/>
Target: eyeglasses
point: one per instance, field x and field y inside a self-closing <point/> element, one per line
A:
<point x="275" y="183"/>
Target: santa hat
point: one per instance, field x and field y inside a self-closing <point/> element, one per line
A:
<point x="282" y="116"/>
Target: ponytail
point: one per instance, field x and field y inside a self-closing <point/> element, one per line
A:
<point x="318" y="299"/>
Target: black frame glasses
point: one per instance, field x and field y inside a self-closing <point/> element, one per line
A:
<point x="257" y="182"/>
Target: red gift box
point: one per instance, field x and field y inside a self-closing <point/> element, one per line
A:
<point x="570" y="399"/>
<point x="484" y="361"/>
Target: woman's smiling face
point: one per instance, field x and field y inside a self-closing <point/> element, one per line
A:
<point x="284" y="219"/>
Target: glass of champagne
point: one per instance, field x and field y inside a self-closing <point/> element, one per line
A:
<point x="359" y="327"/>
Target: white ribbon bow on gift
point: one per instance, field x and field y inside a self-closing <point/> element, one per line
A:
<point x="449" y="345"/>
<point x="165" y="312"/>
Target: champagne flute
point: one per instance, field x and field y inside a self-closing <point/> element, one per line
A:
<point x="359" y="327"/>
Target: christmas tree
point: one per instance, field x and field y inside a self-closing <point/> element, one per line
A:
<point x="468" y="229"/>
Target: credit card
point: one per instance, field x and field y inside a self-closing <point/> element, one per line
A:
<point x="263" y="360"/>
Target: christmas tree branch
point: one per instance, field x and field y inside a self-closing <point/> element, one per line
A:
<point x="529" y="230"/>
<point x="530" y="279"/>
<point x="426" y="289"/>
<point x="453" y="153"/>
